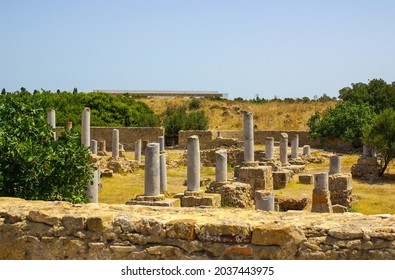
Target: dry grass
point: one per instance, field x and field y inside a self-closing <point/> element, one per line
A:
<point x="226" y="114"/>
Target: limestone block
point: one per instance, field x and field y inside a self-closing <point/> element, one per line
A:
<point x="211" y="200"/>
<point x="170" y="202"/>
<point x="181" y="229"/>
<point x="341" y="189"/>
<point x="276" y="234"/>
<point x="305" y="178"/>
<point x="233" y="194"/>
<point x="281" y="179"/>
<point x="321" y="201"/>
<point x="286" y="204"/>
<point x="226" y="232"/>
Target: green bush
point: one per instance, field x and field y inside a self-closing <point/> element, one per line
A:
<point x="32" y="164"/>
<point x="345" y="121"/>
<point x="381" y="136"/>
<point x="194" y="104"/>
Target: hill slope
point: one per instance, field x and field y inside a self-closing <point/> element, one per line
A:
<point x="227" y="114"/>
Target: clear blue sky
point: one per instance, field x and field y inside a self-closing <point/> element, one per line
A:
<point x="244" y="48"/>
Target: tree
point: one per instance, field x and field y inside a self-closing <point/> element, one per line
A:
<point x="32" y="164"/>
<point x="75" y="90"/>
<point x="381" y="136"/>
<point x="377" y="93"/>
<point x="3" y="92"/>
<point x="345" y="121"/>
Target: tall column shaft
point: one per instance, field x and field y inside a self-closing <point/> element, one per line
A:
<point x="284" y="148"/>
<point x="92" y="191"/>
<point x="137" y="150"/>
<point x="295" y="146"/>
<point x="248" y="137"/>
<point x="152" y="170"/>
<point x="163" y="173"/>
<point x="269" y="148"/>
<point x="161" y="143"/>
<point x="94" y="147"/>
<point x="86" y="128"/>
<point x="193" y="164"/>
<point x="115" y="143"/>
<point x="335" y="164"/>
<point x="221" y="166"/>
<point x="51" y="120"/>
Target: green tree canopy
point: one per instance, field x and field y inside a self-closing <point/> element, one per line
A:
<point x="380" y="134"/>
<point x="345" y="121"/>
<point x="32" y="164"/>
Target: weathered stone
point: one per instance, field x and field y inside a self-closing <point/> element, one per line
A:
<point x="137" y="150"/>
<point x="269" y="148"/>
<point x="193" y="164"/>
<point x="181" y="229"/>
<point x="248" y="137"/>
<point x="233" y="194"/>
<point x="115" y="143"/>
<point x="305" y="178"/>
<point x="221" y="166"/>
<point x="152" y="170"/>
<point x="334" y="164"/>
<point x="341" y="189"/>
<point x="225" y="233"/>
<point x="163" y="173"/>
<point x="295" y="147"/>
<point x="43" y="217"/>
<point x="286" y="204"/>
<point x="86" y="128"/>
<point x="51" y="120"/>
<point x="321" y="195"/>
<point x="306" y="150"/>
<point x="281" y="179"/>
<point x="264" y="200"/>
<point x="284" y="148"/>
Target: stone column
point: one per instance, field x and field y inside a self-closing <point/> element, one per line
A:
<point x="219" y="134"/>
<point x="51" y="120"/>
<point x="264" y="200"/>
<point x="115" y="143"/>
<point x="193" y="164"/>
<point x="152" y="170"/>
<point x="221" y="166"/>
<point x="69" y="125"/>
<point x="321" y="196"/>
<point x="102" y="146"/>
<point x="295" y="146"/>
<point x="161" y="143"/>
<point x="367" y="150"/>
<point x="92" y="191"/>
<point x="86" y="127"/>
<point x="334" y="164"/>
<point x="94" y="147"/>
<point x="137" y="150"/>
<point x="306" y="150"/>
<point x="269" y="148"/>
<point x="163" y="174"/>
<point x="284" y="148"/>
<point x="248" y="137"/>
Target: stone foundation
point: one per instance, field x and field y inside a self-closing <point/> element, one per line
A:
<point x="258" y="177"/>
<point x="281" y="179"/>
<point x="199" y="199"/>
<point x="340" y="189"/>
<point x="306" y="179"/>
<point x="366" y="168"/>
<point x="37" y="230"/>
<point x="286" y="204"/>
<point x="233" y="194"/>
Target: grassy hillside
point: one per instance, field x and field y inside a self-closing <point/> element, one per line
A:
<point x="227" y="114"/>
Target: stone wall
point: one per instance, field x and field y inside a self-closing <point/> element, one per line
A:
<point x="127" y="135"/>
<point x="60" y="230"/>
<point x="207" y="136"/>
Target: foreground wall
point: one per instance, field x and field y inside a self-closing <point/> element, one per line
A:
<point x="59" y="230"/>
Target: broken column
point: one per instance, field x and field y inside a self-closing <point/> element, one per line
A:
<point x="152" y="170"/>
<point x="284" y="148"/>
<point x="115" y="143"/>
<point x="102" y="148"/>
<point x="367" y="150"/>
<point x="193" y="164"/>
<point x="321" y="196"/>
<point x="94" y="147"/>
<point x="137" y="150"/>
<point x="264" y="200"/>
<point x="51" y="120"/>
<point x="92" y="192"/>
<point x="86" y="127"/>
<point x="161" y="143"/>
<point x="163" y="174"/>
<point x="221" y="166"/>
<point x="248" y="137"/>
<point x="269" y="148"/>
<point x="69" y="125"/>
<point x="295" y="147"/>
<point x="334" y="164"/>
<point x="306" y="150"/>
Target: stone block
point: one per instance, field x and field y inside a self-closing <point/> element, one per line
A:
<point x="286" y="204"/>
<point x="306" y="179"/>
<point x="106" y="173"/>
<point x="233" y="194"/>
<point x="170" y="202"/>
<point x="181" y="229"/>
<point x="211" y="200"/>
<point x="281" y="179"/>
<point x="367" y="161"/>
<point x="271" y="234"/>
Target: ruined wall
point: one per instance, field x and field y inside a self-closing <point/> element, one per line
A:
<point x="127" y="135"/>
<point x="206" y="136"/>
<point x="60" y="230"/>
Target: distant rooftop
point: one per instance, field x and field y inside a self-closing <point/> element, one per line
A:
<point x="166" y="93"/>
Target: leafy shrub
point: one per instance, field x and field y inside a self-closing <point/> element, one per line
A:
<point x="345" y="121"/>
<point x="194" y="104"/>
<point x="381" y="136"/>
<point x="32" y="164"/>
